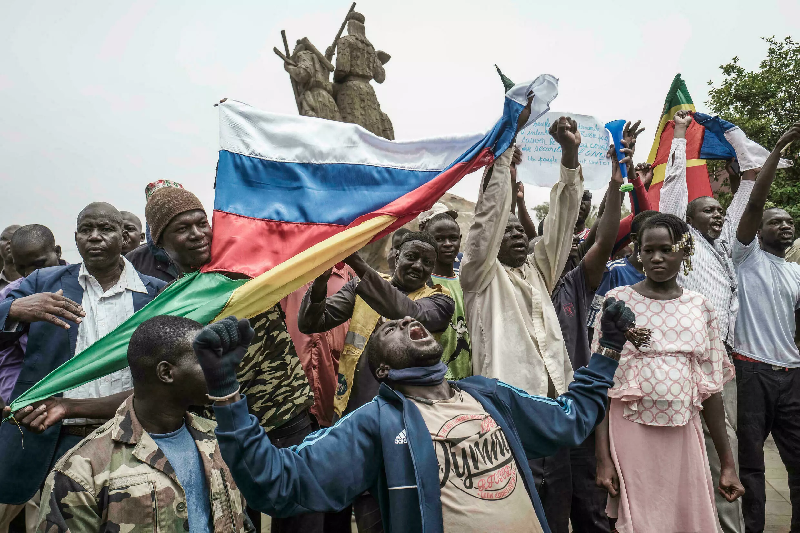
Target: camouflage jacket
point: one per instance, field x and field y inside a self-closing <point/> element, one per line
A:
<point x="271" y="375"/>
<point x="117" y="479"/>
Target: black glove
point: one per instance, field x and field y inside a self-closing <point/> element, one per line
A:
<point x="220" y="348"/>
<point x="617" y="318"/>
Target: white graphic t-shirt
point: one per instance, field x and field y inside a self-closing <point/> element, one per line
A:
<point x="481" y="487"/>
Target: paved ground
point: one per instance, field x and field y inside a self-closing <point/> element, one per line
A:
<point x="779" y="510"/>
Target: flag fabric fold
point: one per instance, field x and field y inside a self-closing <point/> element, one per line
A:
<point x="294" y="196"/>
<point x="723" y="140"/>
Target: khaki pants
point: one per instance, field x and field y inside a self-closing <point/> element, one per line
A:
<point x="9" y="512"/>
<point x="729" y="513"/>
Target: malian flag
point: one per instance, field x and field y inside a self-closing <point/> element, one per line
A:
<point x="294" y="196"/>
<point x="678" y="99"/>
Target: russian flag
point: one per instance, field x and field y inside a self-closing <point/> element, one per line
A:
<point x="294" y="196"/>
<point x="286" y="184"/>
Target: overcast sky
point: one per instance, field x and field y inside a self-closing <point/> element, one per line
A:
<point x="99" y="98"/>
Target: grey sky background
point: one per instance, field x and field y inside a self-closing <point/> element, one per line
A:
<point x="99" y="98"/>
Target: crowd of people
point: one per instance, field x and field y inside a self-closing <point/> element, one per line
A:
<point x="537" y="379"/>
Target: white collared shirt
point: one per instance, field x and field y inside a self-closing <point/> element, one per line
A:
<point x="105" y="310"/>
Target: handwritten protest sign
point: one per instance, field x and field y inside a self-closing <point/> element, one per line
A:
<point x="541" y="154"/>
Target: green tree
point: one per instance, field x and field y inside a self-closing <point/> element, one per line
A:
<point x="541" y="211"/>
<point x="765" y="102"/>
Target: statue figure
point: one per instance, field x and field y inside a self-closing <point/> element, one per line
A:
<point x="357" y="62"/>
<point x="310" y="74"/>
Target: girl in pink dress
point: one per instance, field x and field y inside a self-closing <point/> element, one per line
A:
<point x="651" y="455"/>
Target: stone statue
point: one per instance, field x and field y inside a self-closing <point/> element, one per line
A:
<point x="357" y="63"/>
<point x="310" y="73"/>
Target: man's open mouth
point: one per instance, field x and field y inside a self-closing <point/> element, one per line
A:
<point x="417" y="332"/>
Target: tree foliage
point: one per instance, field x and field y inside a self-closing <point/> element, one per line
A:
<point x="764" y="103"/>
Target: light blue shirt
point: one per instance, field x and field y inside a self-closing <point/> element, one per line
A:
<point x="184" y="457"/>
<point x="769" y="293"/>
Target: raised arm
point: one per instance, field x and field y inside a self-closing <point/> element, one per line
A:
<point x="522" y="213"/>
<point x="739" y="202"/>
<point x="751" y="219"/>
<point x="550" y="253"/>
<point x="546" y="425"/>
<point x="594" y="262"/>
<point x="434" y="312"/>
<point x="319" y="312"/>
<point x="289" y="481"/>
<point x="675" y="191"/>
<point x="486" y="232"/>
<point x="311" y="477"/>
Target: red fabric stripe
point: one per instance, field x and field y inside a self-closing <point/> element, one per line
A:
<point x="696" y="180"/>
<point x="694" y="141"/>
<point x="408" y="206"/>
<point x="238" y="244"/>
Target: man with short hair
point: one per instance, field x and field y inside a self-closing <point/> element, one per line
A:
<point x="513" y="326"/>
<point x="8" y="272"/>
<point x="414" y="445"/>
<point x="712" y="275"/>
<point x="444" y="229"/>
<point x="391" y="256"/>
<point x="514" y="330"/>
<point x="272" y="377"/>
<point x="32" y="247"/>
<point x="366" y="301"/>
<point x="765" y="354"/>
<point x="133" y="227"/>
<point x="45" y="306"/>
<point x="154" y="465"/>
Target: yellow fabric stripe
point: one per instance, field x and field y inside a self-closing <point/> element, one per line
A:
<point x="666" y="117"/>
<point x="261" y="293"/>
<point x="659" y="171"/>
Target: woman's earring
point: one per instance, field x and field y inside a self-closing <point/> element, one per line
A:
<point x="687" y="265"/>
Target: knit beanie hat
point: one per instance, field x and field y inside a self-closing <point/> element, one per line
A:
<point x="164" y="205"/>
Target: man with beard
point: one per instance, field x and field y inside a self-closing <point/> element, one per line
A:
<point x="45" y="307"/>
<point x="514" y="330"/>
<point x="712" y="275"/>
<point x="365" y="301"/>
<point x="417" y="445"/>
<point x="765" y="353"/>
<point x="272" y="377"/>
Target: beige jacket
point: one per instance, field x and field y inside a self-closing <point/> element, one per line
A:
<point x="516" y="336"/>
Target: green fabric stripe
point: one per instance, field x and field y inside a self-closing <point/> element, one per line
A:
<point x="678" y="94"/>
<point x="197" y="296"/>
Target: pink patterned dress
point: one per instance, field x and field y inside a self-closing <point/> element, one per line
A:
<point x="656" y="437"/>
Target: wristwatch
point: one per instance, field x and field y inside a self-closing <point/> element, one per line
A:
<point x="611" y="354"/>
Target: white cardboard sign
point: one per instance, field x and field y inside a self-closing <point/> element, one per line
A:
<point x="541" y="154"/>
